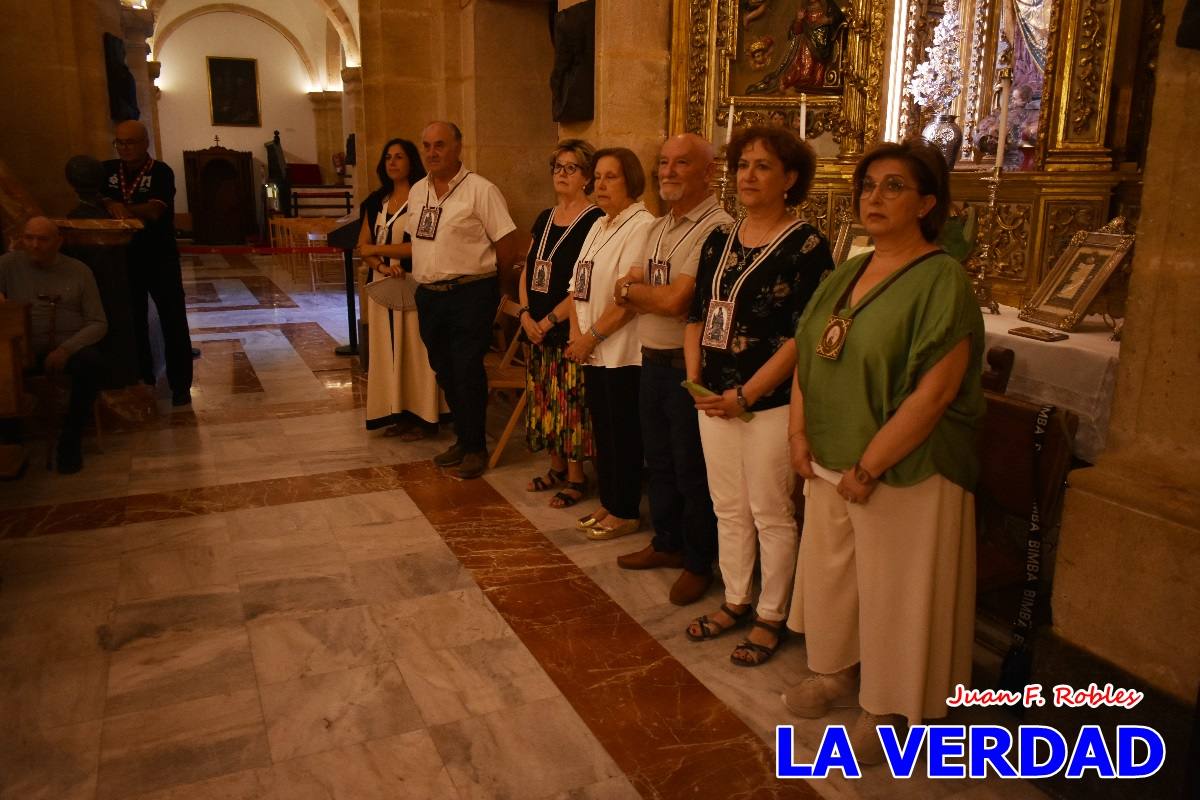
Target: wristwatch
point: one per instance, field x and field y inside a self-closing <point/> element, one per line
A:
<point x="625" y="289"/>
<point x="553" y="319"/>
<point x="741" y="399"/>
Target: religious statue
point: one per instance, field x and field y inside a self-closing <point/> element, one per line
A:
<point x="812" y="50"/>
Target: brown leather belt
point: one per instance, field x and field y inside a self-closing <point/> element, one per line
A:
<point x="668" y="358"/>
<point x="451" y="284"/>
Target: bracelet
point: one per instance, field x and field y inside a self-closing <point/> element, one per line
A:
<point x="794" y="434"/>
<point x="599" y="337"/>
<point x="862" y="476"/>
<point x="522" y="311"/>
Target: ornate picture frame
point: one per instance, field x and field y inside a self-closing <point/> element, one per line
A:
<point x="713" y="38"/>
<point x="1063" y="298"/>
<point x="233" y="94"/>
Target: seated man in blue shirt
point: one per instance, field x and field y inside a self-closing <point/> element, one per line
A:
<point x="68" y="321"/>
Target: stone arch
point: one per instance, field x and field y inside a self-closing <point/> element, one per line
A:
<point x="333" y="11"/>
<point x="161" y="37"/>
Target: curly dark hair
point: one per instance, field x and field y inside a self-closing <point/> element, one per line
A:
<point x="416" y="170"/>
<point x="927" y="165"/>
<point x="797" y="156"/>
<point x="631" y="168"/>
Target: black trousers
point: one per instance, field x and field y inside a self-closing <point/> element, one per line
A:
<point x="456" y="327"/>
<point x="162" y="280"/>
<point x="680" y="504"/>
<point x="612" y="399"/>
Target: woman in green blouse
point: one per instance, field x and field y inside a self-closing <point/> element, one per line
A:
<point x="885" y="404"/>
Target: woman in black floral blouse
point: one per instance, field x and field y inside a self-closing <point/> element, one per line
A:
<point x="752" y="286"/>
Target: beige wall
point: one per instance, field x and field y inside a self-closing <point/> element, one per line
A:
<point x="1127" y="585"/>
<point x="484" y="64"/>
<point x="633" y="79"/>
<point x="54" y="91"/>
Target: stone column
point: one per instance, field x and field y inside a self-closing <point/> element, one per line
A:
<point x="327" y="115"/>
<point x="352" y="122"/>
<point x="136" y="25"/>
<point x="633" y="79"/>
<point x="55" y="91"/>
<point x="1127" y="586"/>
<point x="405" y="47"/>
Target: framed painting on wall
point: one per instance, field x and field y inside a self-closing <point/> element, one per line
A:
<point x="233" y="91"/>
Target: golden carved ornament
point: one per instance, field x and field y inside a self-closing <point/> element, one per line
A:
<point x="704" y="49"/>
<point x="1089" y="62"/>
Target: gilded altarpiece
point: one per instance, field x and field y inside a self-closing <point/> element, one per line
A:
<point x="1072" y="181"/>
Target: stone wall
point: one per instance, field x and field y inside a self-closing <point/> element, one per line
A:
<point x="55" y="92"/>
<point x="633" y="80"/>
<point x="1127" y="586"/>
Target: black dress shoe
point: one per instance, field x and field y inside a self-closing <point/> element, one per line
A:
<point x="182" y="398"/>
<point x="450" y="457"/>
<point x="195" y="352"/>
<point x="473" y="465"/>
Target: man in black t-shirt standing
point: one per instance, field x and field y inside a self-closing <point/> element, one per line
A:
<point x="139" y="186"/>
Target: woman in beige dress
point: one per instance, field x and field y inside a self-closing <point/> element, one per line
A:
<point x="402" y="392"/>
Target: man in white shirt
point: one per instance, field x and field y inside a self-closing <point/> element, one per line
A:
<point x="660" y="289"/>
<point x="460" y="231"/>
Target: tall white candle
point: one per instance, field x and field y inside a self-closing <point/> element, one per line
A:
<point x="1002" y="131"/>
<point x="729" y="123"/>
<point x="803" y="117"/>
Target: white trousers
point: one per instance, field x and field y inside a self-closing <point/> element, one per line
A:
<point x="890" y="584"/>
<point x="751" y="480"/>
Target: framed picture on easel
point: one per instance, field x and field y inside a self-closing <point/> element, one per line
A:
<point x="1063" y="298"/>
<point x="233" y="92"/>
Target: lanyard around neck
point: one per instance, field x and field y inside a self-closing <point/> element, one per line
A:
<point x="662" y="234"/>
<point x="592" y="253"/>
<point x="741" y="279"/>
<point x="546" y="233"/>
<point x="446" y="196"/>
<point x="877" y="290"/>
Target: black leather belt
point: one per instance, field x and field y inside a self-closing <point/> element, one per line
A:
<point x="668" y="358"/>
<point x="451" y="284"/>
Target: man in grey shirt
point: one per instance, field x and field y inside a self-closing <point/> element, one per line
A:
<point x="68" y="321"/>
<point x="660" y="290"/>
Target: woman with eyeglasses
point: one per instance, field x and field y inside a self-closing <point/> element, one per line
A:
<point x="557" y="420"/>
<point x="606" y="345"/>
<point x="402" y="391"/>
<point x="886" y="402"/>
<point x="752" y="284"/>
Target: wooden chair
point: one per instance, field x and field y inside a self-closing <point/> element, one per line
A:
<point x="506" y="373"/>
<point x="1006" y="480"/>
<point x="15" y="325"/>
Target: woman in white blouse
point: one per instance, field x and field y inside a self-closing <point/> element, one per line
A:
<point x="607" y="346"/>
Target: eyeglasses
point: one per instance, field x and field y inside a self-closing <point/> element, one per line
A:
<point x="126" y="142"/>
<point x="566" y="169"/>
<point x="891" y="188"/>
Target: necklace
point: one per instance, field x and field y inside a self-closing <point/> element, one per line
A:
<point x="833" y="337"/>
<point x="128" y="191"/>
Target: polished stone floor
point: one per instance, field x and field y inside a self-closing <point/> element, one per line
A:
<point x="255" y="598"/>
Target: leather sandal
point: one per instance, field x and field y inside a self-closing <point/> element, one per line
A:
<point x="758" y="654"/>
<point x="711" y="629"/>
<point x="564" y="500"/>
<point x="552" y="478"/>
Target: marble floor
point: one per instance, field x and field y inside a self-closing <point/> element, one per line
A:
<point x="255" y="598"/>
